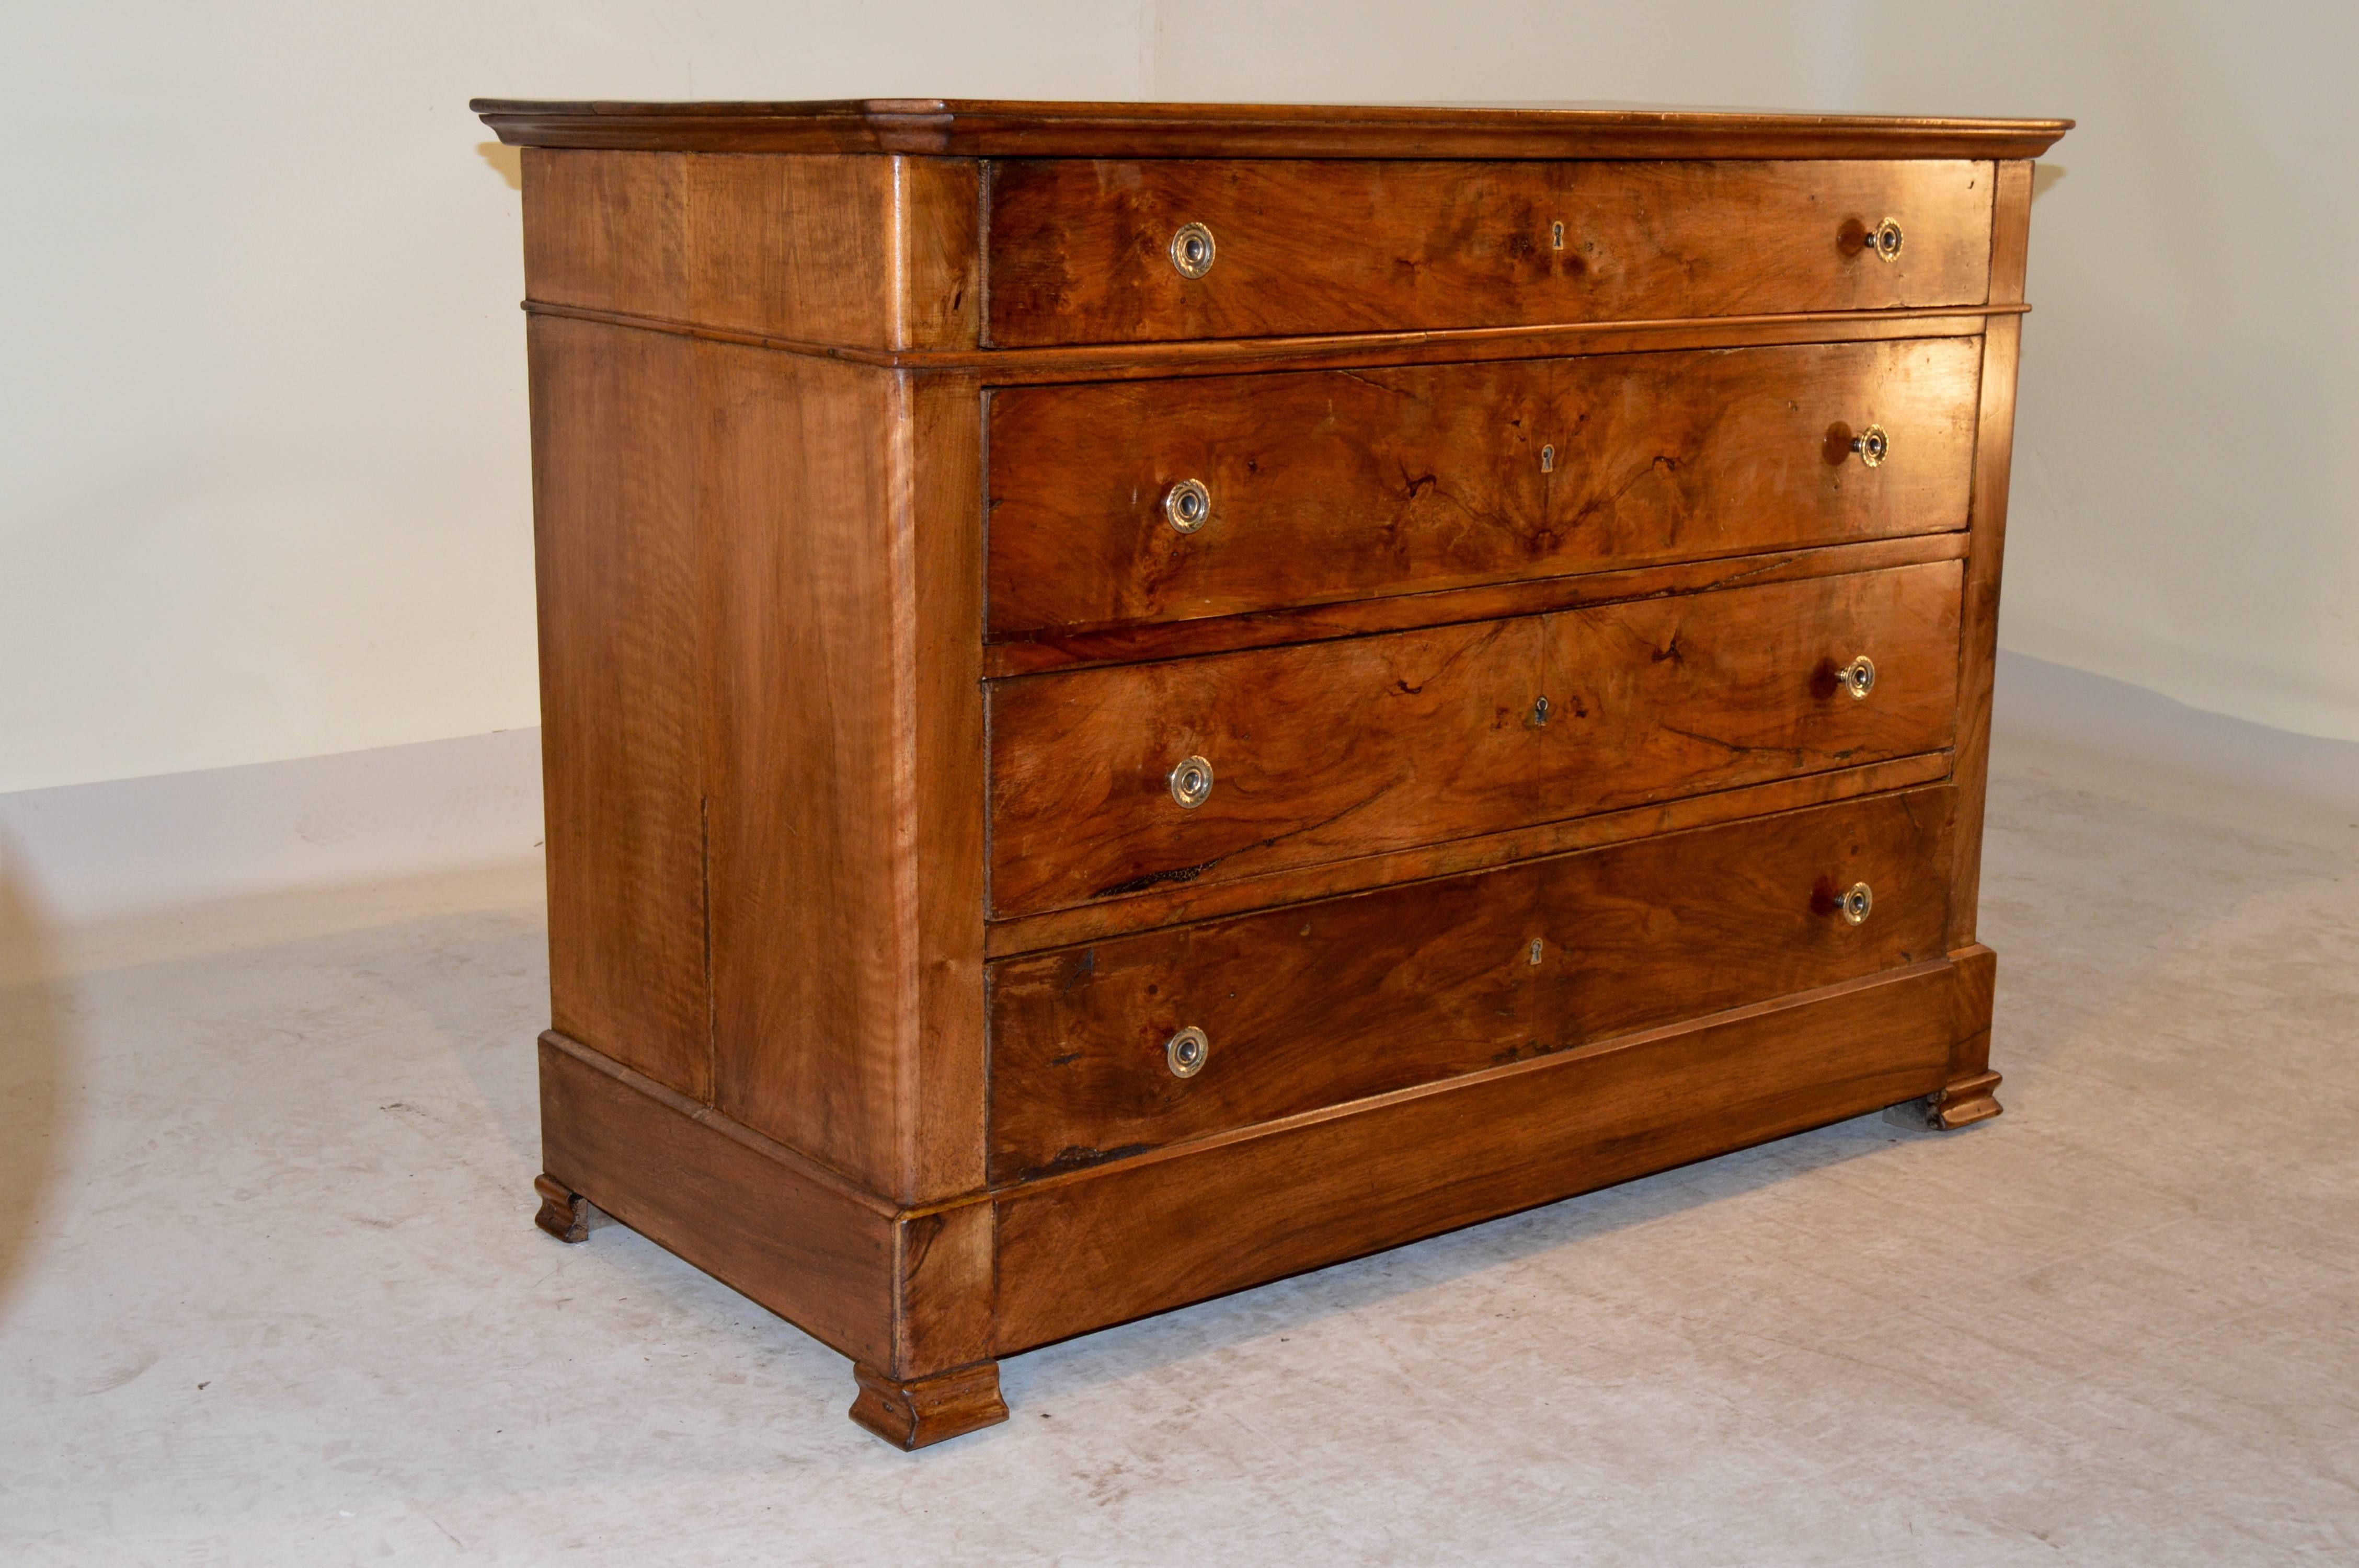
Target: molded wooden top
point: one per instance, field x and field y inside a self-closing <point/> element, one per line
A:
<point x="999" y="128"/>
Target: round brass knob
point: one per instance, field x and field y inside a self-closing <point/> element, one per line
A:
<point x="1855" y="901"/>
<point x="1191" y="782"/>
<point x="1187" y="505"/>
<point x="1185" y="1052"/>
<point x="1191" y="250"/>
<point x="1885" y="240"/>
<point x="1872" y="446"/>
<point x="1857" y="677"/>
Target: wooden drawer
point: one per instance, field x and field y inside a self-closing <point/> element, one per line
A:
<point x="1316" y="1004"/>
<point x="1080" y="251"/>
<point x="1323" y="751"/>
<point x="1347" y="484"/>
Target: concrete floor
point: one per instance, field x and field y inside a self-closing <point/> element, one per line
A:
<point x="269" y="1291"/>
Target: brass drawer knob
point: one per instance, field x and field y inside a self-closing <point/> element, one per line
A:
<point x="1187" y="505"/>
<point x="1191" y="250"/>
<point x="1185" y="1052"/>
<point x="1872" y="446"/>
<point x="1855" y="901"/>
<point x="1885" y="240"/>
<point x="1857" y="677"/>
<point x="1191" y="782"/>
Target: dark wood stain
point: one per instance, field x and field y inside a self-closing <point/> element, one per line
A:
<point x="1320" y="1003"/>
<point x="1077" y="249"/>
<point x="864" y="655"/>
<point x="1346" y="484"/>
<point x="1333" y="749"/>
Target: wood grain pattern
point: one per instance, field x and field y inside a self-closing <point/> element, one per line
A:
<point x="936" y="476"/>
<point x="1172" y="904"/>
<point x="945" y="1261"/>
<point x="937" y="253"/>
<point x="1143" y="640"/>
<point x="1320" y="1003"/>
<point x="869" y="251"/>
<point x="621" y="669"/>
<point x="750" y="1212"/>
<point x="1002" y="127"/>
<point x="607" y="229"/>
<point x="1100" y="1246"/>
<point x="1233" y="356"/>
<point x="840" y="781"/>
<point x="794" y="241"/>
<point x="1076" y="251"/>
<point x="847" y="738"/>
<point x="1994" y="464"/>
<point x="1341" y="485"/>
<point x="917" y="1412"/>
<point x="1335" y="750"/>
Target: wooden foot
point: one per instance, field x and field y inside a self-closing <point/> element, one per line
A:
<point x="564" y="1214"/>
<point x="1967" y="1101"/>
<point x="929" y="1410"/>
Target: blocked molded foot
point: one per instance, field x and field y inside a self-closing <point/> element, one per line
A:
<point x="564" y="1212"/>
<point x="1962" y="1104"/>
<point x="929" y="1410"/>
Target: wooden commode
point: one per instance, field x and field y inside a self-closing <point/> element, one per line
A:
<point x="1143" y="698"/>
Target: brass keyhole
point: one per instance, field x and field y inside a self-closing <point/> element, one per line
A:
<point x="1556" y="236"/>
<point x="1548" y="459"/>
<point x="1540" y="711"/>
<point x="1191" y="782"/>
<point x="1185" y="1052"/>
<point x="1187" y="505"/>
<point x="1193" y="250"/>
<point x="1855" y="903"/>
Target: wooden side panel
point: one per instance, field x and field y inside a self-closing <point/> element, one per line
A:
<point x="1334" y="749"/>
<point x="622" y="660"/>
<point x="862" y="251"/>
<point x="1316" y="1004"/>
<point x="811" y="951"/>
<point x="1994" y="464"/>
<point x="607" y="231"/>
<point x="847" y="756"/>
<point x="744" y="1210"/>
<point x="796" y="246"/>
<point x="1096" y="1247"/>
<point x="1079" y="248"/>
<point x="1330" y="485"/>
<point x="938" y="544"/>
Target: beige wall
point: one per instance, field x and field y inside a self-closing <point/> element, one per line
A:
<point x="264" y="431"/>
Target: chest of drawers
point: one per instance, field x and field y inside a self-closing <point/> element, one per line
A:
<point x="1139" y="698"/>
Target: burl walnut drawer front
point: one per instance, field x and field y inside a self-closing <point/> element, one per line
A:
<point x="1083" y="251"/>
<point x="1112" y="781"/>
<point x="1313" y="1005"/>
<point x="1170" y="500"/>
